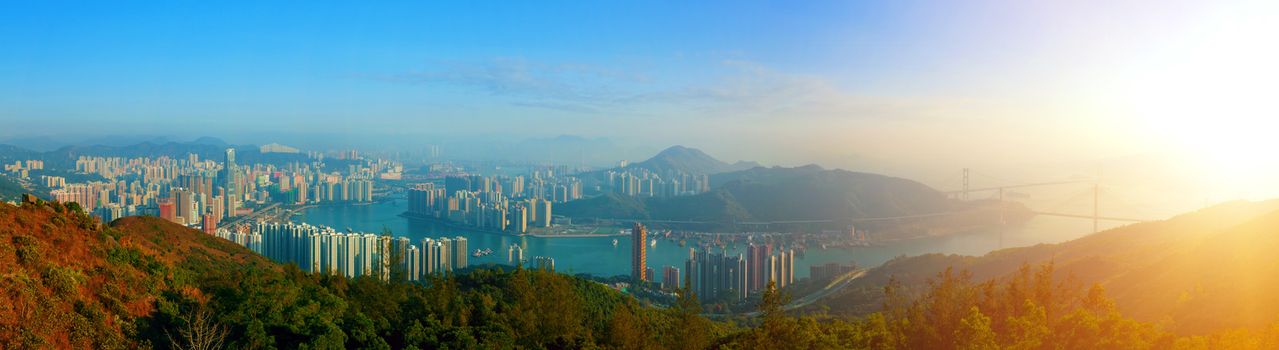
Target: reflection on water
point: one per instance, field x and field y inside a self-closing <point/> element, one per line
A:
<point x="598" y="256"/>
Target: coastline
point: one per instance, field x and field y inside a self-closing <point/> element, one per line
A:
<point x="452" y="224"/>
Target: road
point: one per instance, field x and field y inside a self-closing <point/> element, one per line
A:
<point x="834" y="286"/>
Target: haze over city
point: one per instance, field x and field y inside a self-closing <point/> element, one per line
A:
<point x="751" y="174"/>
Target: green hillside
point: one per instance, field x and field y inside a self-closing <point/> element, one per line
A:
<point x="145" y="282"/>
<point x="1199" y="272"/>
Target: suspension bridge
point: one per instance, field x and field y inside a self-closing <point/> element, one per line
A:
<point x="1095" y="191"/>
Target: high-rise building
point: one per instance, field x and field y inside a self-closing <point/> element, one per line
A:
<point x="757" y="261"/>
<point x="671" y="278"/>
<point x="209" y="223"/>
<point x="459" y="253"/>
<point x="781" y="268"/>
<point x="715" y="275"/>
<point x="515" y="254"/>
<point x="229" y="183"/>
<point x="413" y="258"/>
<point x="639" y="257"/>
<point x="543" y="215"/>
<point x="519" y="219"/>
<point x="168" y="210"/>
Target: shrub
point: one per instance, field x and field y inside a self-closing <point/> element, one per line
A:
<point x="64" y="281"/>
<point x="27" y="250"/>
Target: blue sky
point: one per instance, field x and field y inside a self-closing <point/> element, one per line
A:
<point x="299" y="61"/>
<point x="833" y="82"/>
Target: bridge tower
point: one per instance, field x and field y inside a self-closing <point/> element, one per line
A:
<point x="1096" y="190"/>
<point x="965" y="193"/>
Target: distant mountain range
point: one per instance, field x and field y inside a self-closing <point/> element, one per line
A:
<point x="775" y="194"/>
<point x="204" y="147"/>
<point x="1204" y="271"/>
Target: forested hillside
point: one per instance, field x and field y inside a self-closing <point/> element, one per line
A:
<point x="69" y="282"/>
<point x="1198" y="272"/>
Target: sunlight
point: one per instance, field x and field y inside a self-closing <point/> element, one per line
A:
<point x="1211" y="98"/>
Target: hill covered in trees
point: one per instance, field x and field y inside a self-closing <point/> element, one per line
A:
<point x="1196" y="273"/>
<point x="70" y="282"/>
<point x="145" y="282"/>
<point x="780" y="194"/>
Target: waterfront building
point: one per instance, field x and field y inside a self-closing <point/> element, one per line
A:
<point x="714" y="275"/>
<point x="515" y="255"/>
<point x="757" y="261"/>
<point x="544" y="214"/>
<point x="781" y="268"/>
<point x="519" y="219"/>
<point x="639" y="249"/>
<point x="324" y="250"/>
<point x="460" y="253"/>
<point x="671" y="278"/>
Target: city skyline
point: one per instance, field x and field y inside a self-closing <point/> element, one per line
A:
<point x="760" y="174"/>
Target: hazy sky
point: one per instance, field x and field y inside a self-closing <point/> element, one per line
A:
<point x="943" y="83"/>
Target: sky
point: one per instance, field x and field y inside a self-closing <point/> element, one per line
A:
<point x="887" y="85"/>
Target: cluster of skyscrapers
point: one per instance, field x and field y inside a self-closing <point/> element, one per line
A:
<point x="321" y="249"/>
<point x="194" y="191"/>
<point x="713" y="275"/>
<point x="22" y="168"/>
<point x="645" y="183"/>
<point x="508" y="204"/>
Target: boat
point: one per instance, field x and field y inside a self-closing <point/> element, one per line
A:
<point x="653" y="243"/>
<point x="615" y="242"/>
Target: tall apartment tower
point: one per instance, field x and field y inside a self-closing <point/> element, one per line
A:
<point x="228" y="183"/>
<point x="639" y="257"/>
<point x="757" y="262"/>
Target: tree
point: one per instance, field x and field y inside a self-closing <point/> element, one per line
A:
<point x="974" y="332"/>
<point x="688" y="330"/>
<point x="199" y="330"/>
<point x="626" y="330"/>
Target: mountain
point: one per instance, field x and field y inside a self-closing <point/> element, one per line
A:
<point x="777" y="194"/>
<point x="1199" y="272"/>
<point x="49" y="143"/>
<point x="689" y="160"/>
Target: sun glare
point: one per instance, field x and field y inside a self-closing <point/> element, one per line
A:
<point x="1212" y="98"/>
